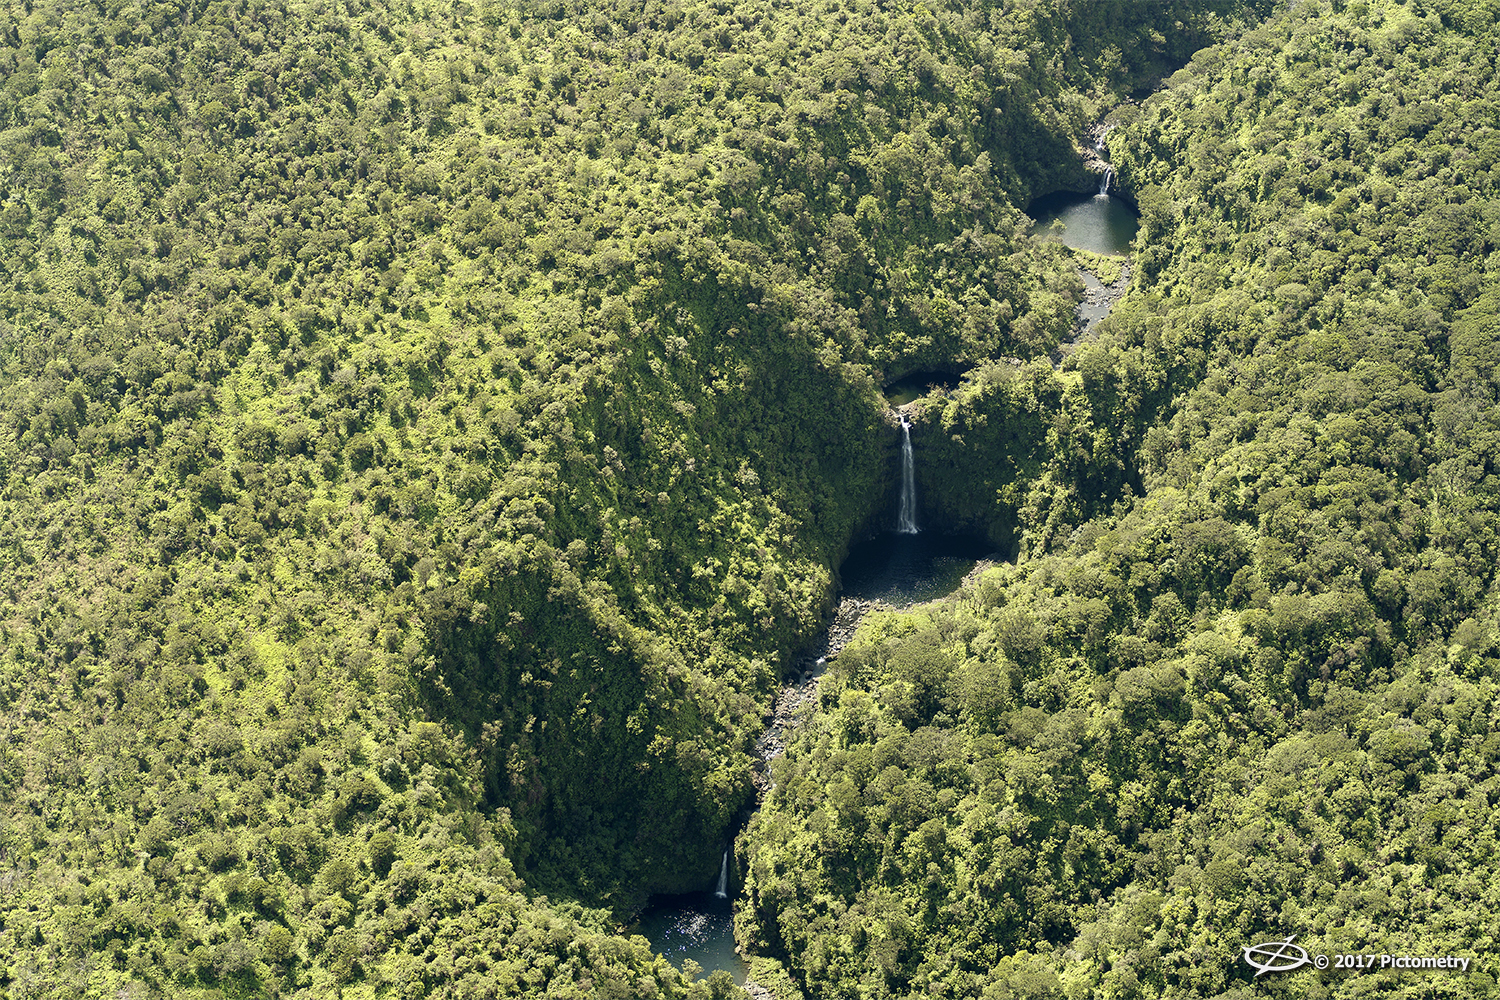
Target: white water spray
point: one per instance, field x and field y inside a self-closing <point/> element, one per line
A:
<point x="906" y="519"/>
<point x="721" y="892"/>
<point x="1104" y="184"/>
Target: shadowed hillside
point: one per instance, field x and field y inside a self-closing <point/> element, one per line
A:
<point x="426" y="430"/>
<point x="1257" y="699"/>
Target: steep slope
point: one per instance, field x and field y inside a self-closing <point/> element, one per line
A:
<point x="1258" y="699"/>
<point x="426" y="429"/>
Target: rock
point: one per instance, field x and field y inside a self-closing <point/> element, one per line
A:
<point x="803" y="689"/>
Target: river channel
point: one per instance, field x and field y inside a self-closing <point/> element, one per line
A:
<point x="893" y="570"/>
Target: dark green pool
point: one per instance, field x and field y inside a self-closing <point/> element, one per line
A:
<point x="698" y="927"/>
<point x="1094" y="222"/>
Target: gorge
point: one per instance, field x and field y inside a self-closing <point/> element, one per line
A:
<point x="433" y="437"/>
<point x="896" y="569"/>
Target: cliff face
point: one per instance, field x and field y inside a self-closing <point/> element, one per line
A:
<point x="424" y="433"/>
<point x="1081" y="173"/>
<point x="1248" y="652"/>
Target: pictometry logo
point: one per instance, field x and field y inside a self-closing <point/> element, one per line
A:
<point x="1276" y="956"/>
<point x="1283" y="956"/>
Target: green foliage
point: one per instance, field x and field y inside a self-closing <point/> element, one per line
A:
<point x="426" y="432"/>
<point x="1106" y="268"/>
<point x="770" y="976"/>
<point x="1240" y="683"/>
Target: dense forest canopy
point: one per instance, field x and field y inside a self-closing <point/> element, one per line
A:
<point x="429" y="431"/>
<point x="1258" y="699"/>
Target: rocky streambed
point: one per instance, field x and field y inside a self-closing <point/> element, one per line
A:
<point x="1098" y="300"/>
<point x="796" y="697"/>
<point x="802" y="690"/>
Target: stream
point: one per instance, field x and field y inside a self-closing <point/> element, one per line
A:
<point x="1100" y="224"/>
<point x="896" y="569"/>
<point x="891" y="571"/>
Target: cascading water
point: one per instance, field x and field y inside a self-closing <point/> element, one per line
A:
<point x="722" y="891"/>
<point x="1104" y="184"/>
<point x="906" y="519"/>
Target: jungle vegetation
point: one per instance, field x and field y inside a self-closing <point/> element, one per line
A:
<point x="428" y="430"/>
<point x="1257" y="696"/>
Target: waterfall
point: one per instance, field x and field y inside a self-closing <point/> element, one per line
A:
<point x="721" y="892"/>
<point x="1104" y="184"/>
<point x="906" y="519"/>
